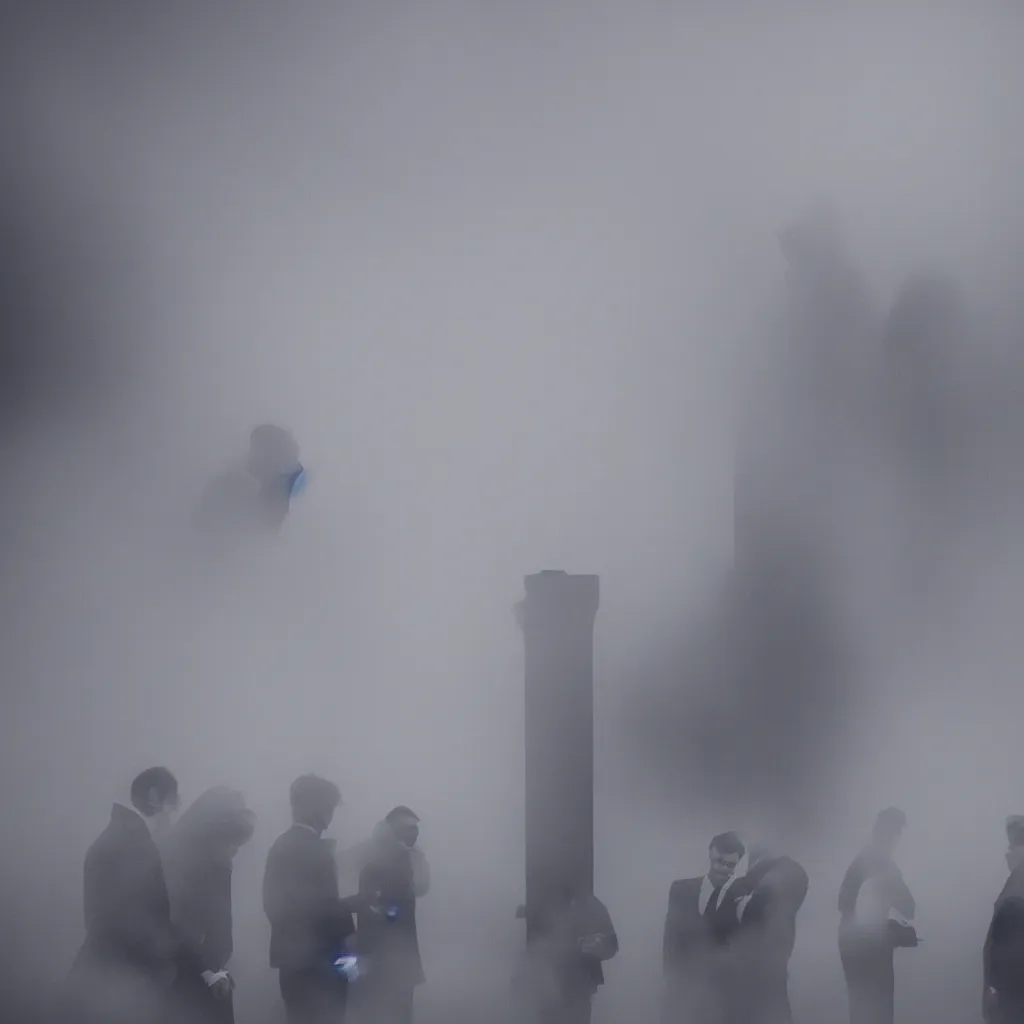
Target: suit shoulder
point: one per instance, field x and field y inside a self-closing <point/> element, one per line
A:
<point x="681" y="886"/>
<point x="280" y="846"/>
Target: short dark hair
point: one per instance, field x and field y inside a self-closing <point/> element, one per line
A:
<point x="728" y="843"/>
<point x="890" y="822"/>
<point x="159" y="778"/>
<point x="311" y="792"/>
<point x="401" y="812"/>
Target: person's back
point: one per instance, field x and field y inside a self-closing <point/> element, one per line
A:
<point x="387" y="927"/>
<point x="198" y="860"/>
<point x="575" y="935"/>
<point x="875" y="910"/>
<point x="1003" y="953"/>
<point x="756" y="924"/>
<point x="130" y="955"/>
<point x="309" y="923"/>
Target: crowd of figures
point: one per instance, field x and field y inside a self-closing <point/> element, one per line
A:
<point x="158" y="917"/>
<point x="158" y="912"/>
<point x="729" y="933"/>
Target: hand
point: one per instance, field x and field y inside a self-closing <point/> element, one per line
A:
<point x="592" y="945"/>
<point x="989" y="1003"/>
<point x="220" y="983"/>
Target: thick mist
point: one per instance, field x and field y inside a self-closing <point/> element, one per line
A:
<point x="505" y="274"/>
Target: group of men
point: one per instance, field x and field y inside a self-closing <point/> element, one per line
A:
<point x="729" y="933"/>
<point x="158" y="912"/>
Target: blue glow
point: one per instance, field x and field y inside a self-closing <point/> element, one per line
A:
<point x="350" y="967"/>
<point x="297" y="483"/>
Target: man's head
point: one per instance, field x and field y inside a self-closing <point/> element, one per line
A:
<point x="154" y="793"/>
<point x="273" y="453"/>
<point x="1015" y="841"/>
<point x="888" y="830"/>
<point x="314" y="801"/>
<point x="404" y="824"/>
<point x="724" y="853"/>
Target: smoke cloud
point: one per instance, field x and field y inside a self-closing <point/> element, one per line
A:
<point x="514" y="282"/>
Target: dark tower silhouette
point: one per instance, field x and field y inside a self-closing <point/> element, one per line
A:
<point x="557" y="618"/>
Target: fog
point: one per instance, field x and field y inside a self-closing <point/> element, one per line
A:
<point x="503" y="271"/>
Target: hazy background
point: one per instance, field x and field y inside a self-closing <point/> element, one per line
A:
<point x="500" y="268"/>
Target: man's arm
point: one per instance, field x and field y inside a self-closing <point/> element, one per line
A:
<point x="671" y="946"/>
<point x="786" y="889"/>
<point x="115" y="914"/>
<point x="901" y="898"/>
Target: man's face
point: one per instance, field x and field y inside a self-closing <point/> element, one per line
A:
<point x="722" y="866"/>
<point x="406" y="830"/>
<point x="162" y="804"/>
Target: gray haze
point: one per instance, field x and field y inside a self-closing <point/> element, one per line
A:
<point x="500" y="268"/>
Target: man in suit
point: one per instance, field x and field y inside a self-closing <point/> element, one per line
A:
<point x="1003" y="955"/>
<point x="131" y="954"/>
<point x="310" y="924"/>
<point x="873" y="891"/>
<point x="754" y="926"/>
<point x="692" y="994"/>
<point x="390" y="884"/>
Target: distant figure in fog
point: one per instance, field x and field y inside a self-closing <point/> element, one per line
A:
<point x="1003" y="955"/>
<point x="563" y="969"/>
<point x="930" y="423"/>
<point x="310" y="924"/>
<point x="394" y="874"/>
<point x="830" y="322"/>
<point x="876" y="913"/>
<point x="693" y="977"/>
<point x="755" y="927"/>
<point x="131" y="954"/>
<point x="255" y="497"/>
<point x="198" y="856"/>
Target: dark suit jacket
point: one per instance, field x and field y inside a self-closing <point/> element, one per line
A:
<point x="1003" y="954"/>
<point x="691" y="961"/>
<point x="391" y="942"/>
<point x="760" y="935"/>
<point x="127" y="910"/>
<point x="309" y="922"/>
<point x="686" y="941"/>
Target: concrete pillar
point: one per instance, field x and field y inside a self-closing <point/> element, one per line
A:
<point x="557" y="618"/>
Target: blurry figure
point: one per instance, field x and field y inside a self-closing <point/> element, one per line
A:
<point x="310" y="924"/>
<point x="829" y="325"/>
<point x="1003" y="955"/>
<point x="394" y="874"/>
<point x="693" y="993"/>
<point x="755" y="926"/>
<point x="929" y="417"/>
<point x="562" y="969"/>
<point x="131" y="954"/>
<point x="198" y="856"/>
<point x="256" y="496"/>
<point x="876" y="913"/>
